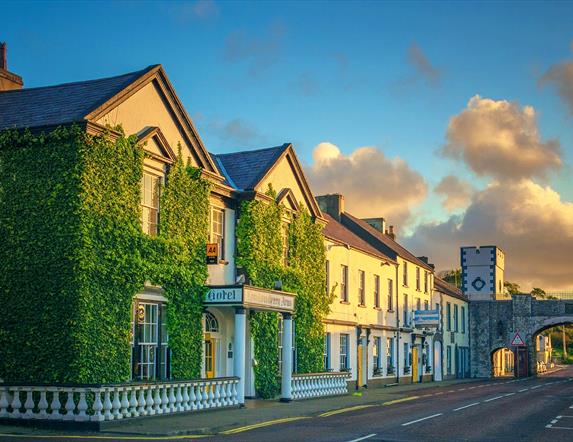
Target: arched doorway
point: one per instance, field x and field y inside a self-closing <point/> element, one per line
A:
<point x="211" y="344"/>
<point x="502" y="362"/>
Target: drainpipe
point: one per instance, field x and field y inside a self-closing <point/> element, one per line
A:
<point x="398" y="329"/>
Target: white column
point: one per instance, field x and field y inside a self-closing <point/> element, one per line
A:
<point x="239" y="357"/>
<point x="286" y="383"/>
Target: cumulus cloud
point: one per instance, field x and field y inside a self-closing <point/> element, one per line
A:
<point x="423" y="66"/>
<point x="372" y="184"/>
<point x="500" y="139"/>
<point x="530" y="222"/>
<point x="258" y="53"/>
<point x="560" y="76"/>
<point x="456" y="193"/>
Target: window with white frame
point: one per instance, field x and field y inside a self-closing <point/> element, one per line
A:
<point x="390" y="353"/>
<point x="344" y="283"/>
<point x="150" y="186"/>
<point x="376" y="291"/>
<point x="406" y="355"/>
<point x="418" y="278"/>
<point x="426" y="282"/>
<point x="327" y="365"/>
<point x="390" y="295"/>
<point x="448" y="316"/>
<point x="377" y="356"/>
<point x="406" y="310"/>
<point x="405" y="274"/>
<point x="344" y="341"/>
<point x="150" y="352"/>
<point x="217" y="234"/>
<point x="449" y="359"/>
<point x="361" y="288"/>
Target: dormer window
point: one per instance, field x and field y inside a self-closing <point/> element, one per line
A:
<point x="150" y="187"/>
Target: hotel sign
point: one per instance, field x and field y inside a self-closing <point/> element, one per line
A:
<point x="426" y="318"/>
<point x="250" y="297"/>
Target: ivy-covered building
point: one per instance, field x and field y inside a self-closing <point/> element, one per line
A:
<point x="128" y="252"/>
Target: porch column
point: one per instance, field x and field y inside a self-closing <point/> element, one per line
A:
<point x="239" y="359"/>
<point x="286" y="382"/>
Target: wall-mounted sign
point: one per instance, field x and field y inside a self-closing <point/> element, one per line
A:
<point x="224" y="295"/>
<point x="212" y="253"/>
<point x="270" y="299"/>
<point x="426" y="318"/>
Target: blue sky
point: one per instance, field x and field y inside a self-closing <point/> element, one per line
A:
<point x="256" y="74"/>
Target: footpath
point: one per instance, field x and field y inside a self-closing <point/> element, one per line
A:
<point x="255" y="414"/>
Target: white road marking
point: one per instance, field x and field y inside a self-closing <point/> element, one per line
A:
<point x="493" y="398"/>
<point x="559" y="428"/>
<point x="522" y="390"/>
<point x="423" y="419"/>
<point x="363" y="437"/>
<point x="466" y="406"/>
<point x="508" y="394"/>
<point x="537" y="386"/>
<point x="554" y="421"/>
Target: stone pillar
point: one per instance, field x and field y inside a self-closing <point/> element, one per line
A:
<point x="239" y="359"/>
<point x="286" y="382"/>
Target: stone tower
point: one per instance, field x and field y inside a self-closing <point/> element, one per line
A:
<point x="482" y="272"/>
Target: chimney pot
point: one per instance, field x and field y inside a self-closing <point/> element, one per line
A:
<point x="391" y="232"/>
<point x="3" y="59"/>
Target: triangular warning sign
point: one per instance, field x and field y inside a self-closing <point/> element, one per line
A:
<point x="517" y="340"/>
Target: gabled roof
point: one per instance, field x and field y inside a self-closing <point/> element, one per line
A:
<point x="379" y="240"/>
<point x="244" y="170"/>
<point x="336" y="231"/>
<point x="448" y="289"/>
<point x="90" y="100"/>
<point x="61" y="104"/>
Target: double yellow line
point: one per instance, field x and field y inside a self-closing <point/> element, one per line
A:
<point x="263" y="424"/>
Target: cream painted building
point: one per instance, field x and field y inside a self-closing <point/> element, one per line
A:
<point x="451" y="344"/>
<point x="378" y="285"/>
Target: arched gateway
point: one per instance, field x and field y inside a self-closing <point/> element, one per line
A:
<point x="514" y="325"/>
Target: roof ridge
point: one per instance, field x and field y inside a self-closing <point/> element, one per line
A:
<point x="284" y="146"/>
<point x="71" y="83"/>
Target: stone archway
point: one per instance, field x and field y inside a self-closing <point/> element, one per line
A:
<point x="502" y="362"/>
<point x="540" y="326"/>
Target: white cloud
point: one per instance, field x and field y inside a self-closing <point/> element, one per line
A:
<point x="528" y="221"/>
<point x="456" y="193"/>
<point x="372" y="184"/>
<point x="500" y="140"/>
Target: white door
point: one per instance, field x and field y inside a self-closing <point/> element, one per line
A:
<point x="437" y="361"/>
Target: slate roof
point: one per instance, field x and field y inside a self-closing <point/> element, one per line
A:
<point x="448" y="289"/>
<point x="60" y="104"/>
<point x="381" y="241"/>
<point x="335" y="230"/>
<point x="243" y="170"/>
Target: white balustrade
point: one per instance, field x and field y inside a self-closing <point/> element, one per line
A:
<point x="316" y="385"/>
<point x="111" y="402"/>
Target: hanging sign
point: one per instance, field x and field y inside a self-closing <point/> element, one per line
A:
<point x="517" y="341"/>
<point x="212" y="253"/>
<point x="426" y="318"/>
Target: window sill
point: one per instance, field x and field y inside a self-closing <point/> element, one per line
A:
<point x="391" y="311"/>
<point x="362" y="305"/>
<point x="377" y="308"/>
<point x="345" y="302"/>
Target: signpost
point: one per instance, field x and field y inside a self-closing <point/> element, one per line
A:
<point x="212" y="253"/>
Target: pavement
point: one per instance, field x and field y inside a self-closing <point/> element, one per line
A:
<point x="503" y="409"/>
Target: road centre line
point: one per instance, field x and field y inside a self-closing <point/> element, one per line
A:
<point x="466" y="406"/>
<point x="536" y="386"/>
<point x="363" y="438"/>
<point x="494" y="398"/>
<point x="522" y="390"/>
<point x="422" y="419"/>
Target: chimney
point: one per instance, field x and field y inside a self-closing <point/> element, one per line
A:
<point x="8" y="80"/>
<point x="333" y="204"/>
<point x="390" y="232"/>
<point x="378" y="223"/>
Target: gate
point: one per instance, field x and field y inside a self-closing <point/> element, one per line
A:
<point x="521" y="362"/>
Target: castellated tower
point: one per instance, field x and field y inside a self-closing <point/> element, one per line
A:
<point x="482" y="272"/>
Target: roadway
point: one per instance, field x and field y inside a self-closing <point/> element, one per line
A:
<point x="532" y="409"/>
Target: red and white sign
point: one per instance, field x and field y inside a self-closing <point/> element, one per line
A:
<point x="517" y="341"/>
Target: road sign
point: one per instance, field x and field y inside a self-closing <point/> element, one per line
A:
<point x="426" y="318"/>
<point x="212" y="253"/>
<point x="517" y="341"/>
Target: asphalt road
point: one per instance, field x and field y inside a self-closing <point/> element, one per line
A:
<point x="509" y="410"/>
<point x="539" y="409"/>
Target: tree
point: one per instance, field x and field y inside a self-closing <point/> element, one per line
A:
<point x="453" y="277"/>
<point x="511" y="288"/>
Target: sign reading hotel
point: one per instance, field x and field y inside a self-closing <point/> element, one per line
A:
<point x="426" y="318"/>
<point x="250" y="297"/>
